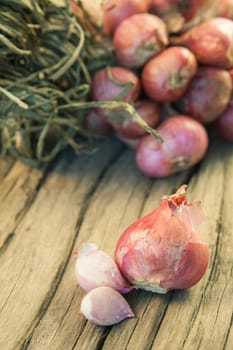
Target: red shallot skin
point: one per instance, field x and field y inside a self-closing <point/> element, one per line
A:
<point x="107" y="84"/>
<point x="169" y="12"/>
<point x="138" y="38"/>
<point x="96" y="123"/>
<point x="224" y="124"/>
<point x="163" y="250"/>
<point x="166" y="77"/>
<point x="117" y="10"/>
<point x="104" y="306"/>
<point x="185" y="142"/>
<point x="148" y="110"/>
<point x="211" y="42"/>
<point x="207" y="95"/>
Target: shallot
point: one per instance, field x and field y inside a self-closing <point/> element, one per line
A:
<point x="169" y="12"/>
<point x="191" y="9"/>
<point x="115" y="83"/>
<point x="117" y="10"/>
<point x="207" y="95"/>
<point x="185" y="142"/>
<point x="104" y="306"/>
<point x="224" y="124"/>
<point x="166" y="76"/>
<point x="211" y="42"/>
<point x="94" y="122"/>
<point x="95" y="268"/>
<point x="163" y="250"/>
<point x="148" y="110"/>
<point x="138" y="38"/>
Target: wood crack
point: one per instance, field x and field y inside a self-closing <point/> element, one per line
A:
<point x="6" y="242"/>
<point x="56" y="281"/>
<point x="228" y="333"/>
<point x="212" y="270"/>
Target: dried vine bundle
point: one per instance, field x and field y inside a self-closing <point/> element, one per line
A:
<point x="47" y="58"/>
<point x="46" y="62"/>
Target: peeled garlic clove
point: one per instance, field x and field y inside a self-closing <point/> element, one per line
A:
<point x="105" y="306"/>
<point x="95" y="268"/>
<point x="163" y="250"/>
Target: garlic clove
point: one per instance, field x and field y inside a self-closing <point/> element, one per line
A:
<point x="104" y="306"/>
<point x="95" y="268"/>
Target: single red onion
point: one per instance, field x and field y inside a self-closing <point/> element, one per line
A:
<point x="95" y="268"/>
<point x="163" y="250"/>
<point x="166" y="76"/>
<point x="104" y="306"/>
<point x="138" y="38"/>
<point x="148" y="110"/>
<point x="207" y="95"/>
<point x="224" y="124"/>
<point x="169" y="12"/>
<point x="185" y="142"/>
<point x="211" y="42"/>
<point x="117" y="10"/>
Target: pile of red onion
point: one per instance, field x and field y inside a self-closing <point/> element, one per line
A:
<point x="159" y="252"/>
<point x="174" y="65"/>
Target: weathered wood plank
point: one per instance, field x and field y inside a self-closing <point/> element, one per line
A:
<point x="117" y="202"/>
<point x="18" y="188"/>
<point x="5" y="165"/>
<point x="201" y="319"/>
<point x="93" y="199"/>
<point x="33" y="263"/>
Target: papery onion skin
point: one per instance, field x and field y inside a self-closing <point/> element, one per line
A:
<point x="169" y="12"/>
<point x="211" y="42"/>
<point x="190" y="9"/>
<point x="104" y="306"/>
<point x="166" y="77"/>
<point x="138" y="38"/>
<point x="148" y="110"/>
<point x="207" y="95"/>
<point x="185" y="142"/>
<point x="117" y="10"/>
<point x="95" y="10"/>
<point x="162" y="250"/>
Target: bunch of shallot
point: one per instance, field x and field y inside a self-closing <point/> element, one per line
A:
<point x="159" y="252"/>
<point x="168" y="53"/>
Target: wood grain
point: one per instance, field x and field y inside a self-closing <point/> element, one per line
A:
<point x="82" y="199"/>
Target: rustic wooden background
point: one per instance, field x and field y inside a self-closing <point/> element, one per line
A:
<point x="47" y="212"/>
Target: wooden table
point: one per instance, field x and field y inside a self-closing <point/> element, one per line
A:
<point x="46" y="213"/>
